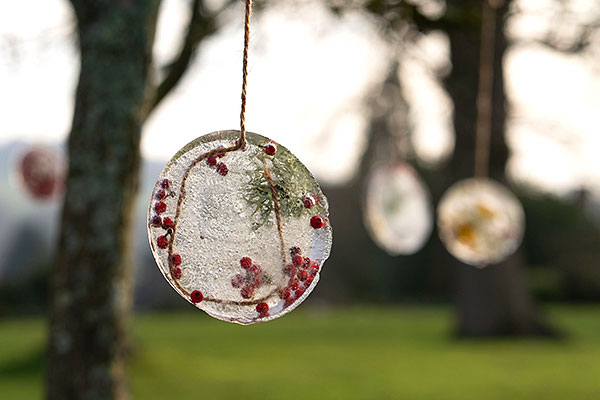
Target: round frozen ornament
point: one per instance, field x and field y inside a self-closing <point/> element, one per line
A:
<point x="41" y="173"/>
<point x="480" y="221"/>
<point x="242" y="235"/>
<point x="397" y="209"/>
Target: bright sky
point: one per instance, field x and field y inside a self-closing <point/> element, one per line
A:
<point x="306" y="86"/>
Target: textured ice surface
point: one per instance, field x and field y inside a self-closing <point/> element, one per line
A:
<point x="397" y="209"/>
<point x="480" y="221"/>
<point x="214" y="233"/>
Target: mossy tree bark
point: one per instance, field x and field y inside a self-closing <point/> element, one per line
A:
<point x="91" y="283"/>
<point x="92" y="275"/>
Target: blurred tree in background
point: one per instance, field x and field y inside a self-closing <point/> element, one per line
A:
<point x="92" y="275"/>
<point x="496" y="300"/>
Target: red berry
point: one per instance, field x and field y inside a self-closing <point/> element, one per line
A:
<point x="167" y="223"/>
<point x="300" y="292"/>
<point x="310" y="280"/>
<point x="222" y="169"/>
<point x="162" y="242"/>
<point x="308" y="201"/>
<point x="165" y="183"/>
<point x="247" y="292"/>
<point x="160" y="207"/>
<point x="285" y="293"/>
<point x="160" y="194"/>
<point x="212" y="161"/>
<point x="303" y="275"/>
<point x="257" y="281"/>
<point x="317" y="222"/>
<point x="196" y="296"/>
<point x="289" y="301"/>
<point x="237" y="280"/>
<point x="255" y="269"/>
<point x="270" y="149"/>
<point x="306" y="263"/>
<point x="295" y="250"/>
<point x="155" y="221"/>
<point x="293" y="284"/>
<point x="262" y="308"/>
<point x="176" y="260"/>
<point x="177" y="273"/>
<point x="246" y="262"/>
<point x="297" y="260"/>
<point x="290" y="270"/>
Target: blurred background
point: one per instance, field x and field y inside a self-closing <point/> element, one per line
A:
<point x="346" y="86"/>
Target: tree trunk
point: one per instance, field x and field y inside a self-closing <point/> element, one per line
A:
<point x="91" y="277"/>
<point x="495" y="300"/>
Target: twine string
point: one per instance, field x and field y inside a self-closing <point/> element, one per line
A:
<point x="242" y="139"/>
<point x="483" y="127"/>
<point x="240" y="144"/>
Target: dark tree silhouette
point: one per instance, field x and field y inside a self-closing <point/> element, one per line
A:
<point x="91" y="278"/>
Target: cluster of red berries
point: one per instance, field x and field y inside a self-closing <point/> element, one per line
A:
<point x="175" y="260"/>
<point x="166" y="223"/>
<point x="316" y="221"/>
<point x="160" y="207"/>
<point x="219" y="166"/>
<point x="302" y="272"/>
<point x="253" y="278"/>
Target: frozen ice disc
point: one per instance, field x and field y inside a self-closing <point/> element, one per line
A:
<point x="480" y="221"/>
<point x="243" y="235"/>
<point x="41" y="173"/>
<point x="397" y="209"/>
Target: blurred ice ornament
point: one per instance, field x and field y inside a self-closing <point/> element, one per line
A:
<point x="397" y="209"/>
<point x="41" y="173"/>
<point x="480" y="221"/>
<point x="242" y="235"/>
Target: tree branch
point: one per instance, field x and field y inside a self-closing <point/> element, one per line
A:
<point x="200" y="26"/>
<point x="395" y="13"/>
<point x="578" y="46"/>
<point x="552" y="40"/>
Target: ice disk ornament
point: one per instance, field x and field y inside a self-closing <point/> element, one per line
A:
<point x="397" y="209"/>
<point x="41" y="173"/>
<point x="480" y="221"/>
<point x="242" y="235"/>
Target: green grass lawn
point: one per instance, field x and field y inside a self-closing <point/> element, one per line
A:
<point x="349" y="353"/>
